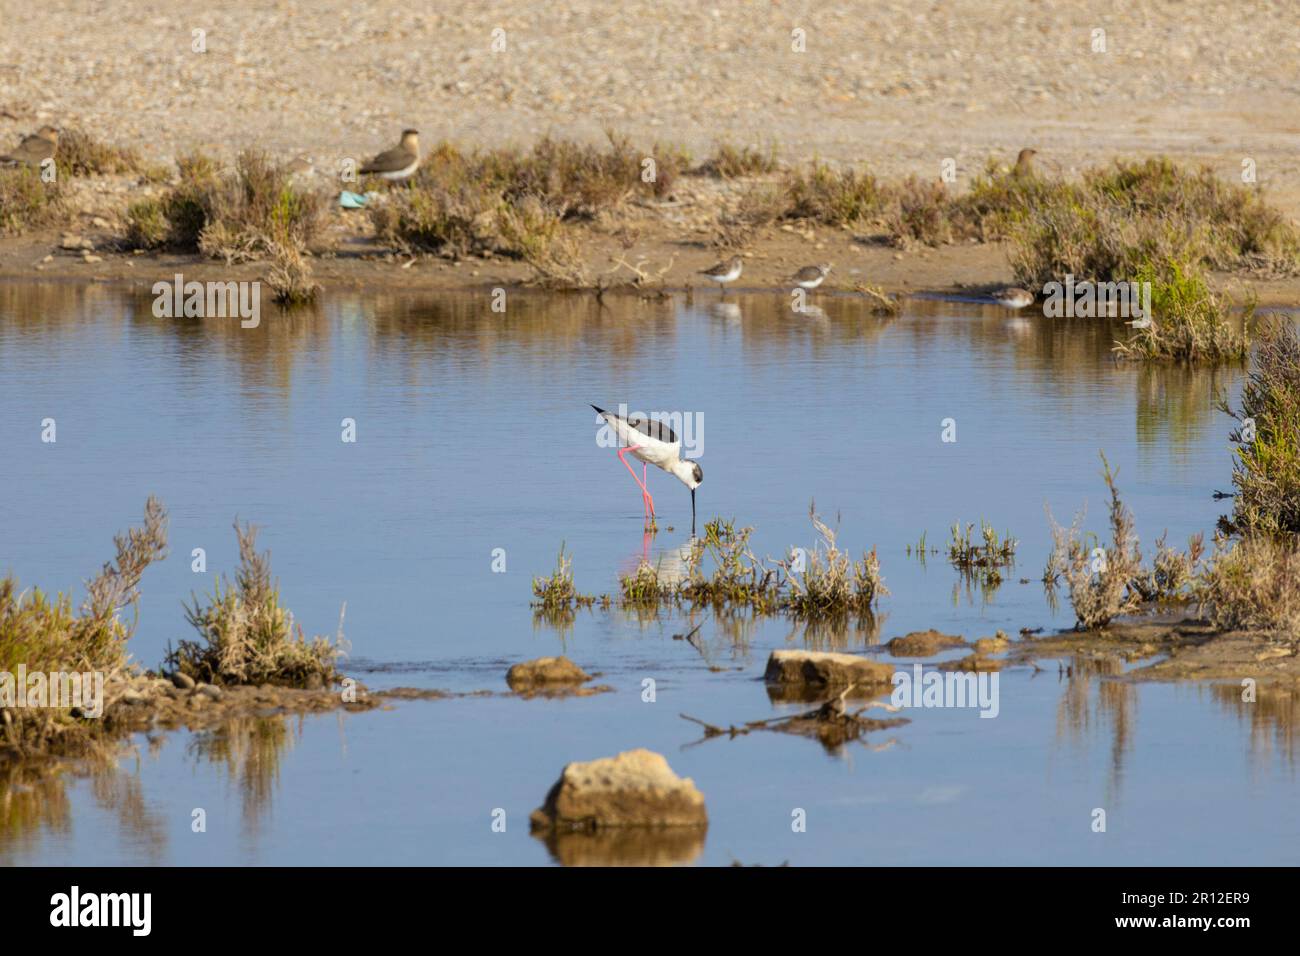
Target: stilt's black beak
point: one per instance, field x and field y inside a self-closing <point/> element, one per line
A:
<point x="692" y="512"/>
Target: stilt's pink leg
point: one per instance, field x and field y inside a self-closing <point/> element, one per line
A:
<point x="650" y="502"/>
<point x="646" y="501"/>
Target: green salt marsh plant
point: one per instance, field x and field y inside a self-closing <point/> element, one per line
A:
<point x="556" y="591"/>
<point x="247" y="636"/>
<point x="46" y="634"/>
<point x="988" y="551"/>
<point x="738" y="577"/>
<point x="1266" y="456"/>
<point x="1188" y="322"/>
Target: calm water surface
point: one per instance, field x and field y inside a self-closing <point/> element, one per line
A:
<point x="474" y="433"/>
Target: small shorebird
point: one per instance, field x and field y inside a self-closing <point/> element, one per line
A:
<point x="301" y="166"/>
<point x="34" y="149"/>
<point x="810" y="277"/>
<point x="398" y="163"/>
<point x="724" y="272"/>
<point x="653" y="443"/>
<point x="1025" y="162"/>
<point x="1013" y="298"/>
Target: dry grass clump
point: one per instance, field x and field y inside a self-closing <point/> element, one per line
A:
<point x="1239" y="228"/>
<point x="834" y="198"/>
<point x="1174" y="575"/>
<point x="998" y="199"/>
<point x="529" y="231"/>
<point x="236" y="216"/>
<point x="248" y="637"/>
<point x="920" y="211"/>
<point x="1266" y="467"/>
<point x="733" y="162"/>
<point x="46" y="635"/>
<point x="80" y="154"/>
<point x="257" y="205"/>
<point x="1253" y="584"/>
<point x="1099" y="577"/>
<point x="28" y="203"/>
<point x="831" y="582"/>
<point x="290" y="276"/>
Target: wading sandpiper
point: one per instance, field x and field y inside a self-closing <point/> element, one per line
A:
<point x="398" y="163"/>
<point x="654" y="443"/>
<point x="810" y="277"/>
<point x="724" y="272"/>
<point x="1012" y="298"/>
<point x="34" y="149"/>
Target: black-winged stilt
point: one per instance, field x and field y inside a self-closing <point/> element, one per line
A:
<point x="653" y="443"/>
<point x="724" y="272"/>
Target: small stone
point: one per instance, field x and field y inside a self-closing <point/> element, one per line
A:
<point x="183" y="681"/>
<point x="208" y="690"/>
<point x="89" y="258"/>
<point x="637" y="788"/>
<point x="923" y="644"/>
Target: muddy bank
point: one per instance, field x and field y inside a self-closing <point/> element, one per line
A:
<point x="668" y="254"/>
<point x="1184" y="650"/>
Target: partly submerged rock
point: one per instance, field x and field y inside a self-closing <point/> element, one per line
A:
<point x="551" y="677"/>
<point x="637" y="788"/>
<point x="923" y="644"/>
<point x="825" y="669"/>
<point x="996" y="644"/>
<point x="545" y="670"/>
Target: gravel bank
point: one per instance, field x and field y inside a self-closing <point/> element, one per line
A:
<point x="898" y="84"/>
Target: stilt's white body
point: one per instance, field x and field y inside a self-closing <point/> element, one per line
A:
<point x="647" y="448"/>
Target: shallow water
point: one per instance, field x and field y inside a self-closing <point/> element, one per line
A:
<point x="474" y="433"/>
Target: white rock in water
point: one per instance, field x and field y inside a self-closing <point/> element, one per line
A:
<point x="637" y="788"/>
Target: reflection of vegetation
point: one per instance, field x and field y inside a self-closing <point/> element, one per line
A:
<point x="1272" y="714"/>
<point x="1174" y="402"/>
<point x="251" y="749"/>
<point x="1116" y="701"/>
<point x="34" y="801"/>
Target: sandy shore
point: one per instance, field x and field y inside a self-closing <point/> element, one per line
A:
<point x="889" y="84"/>
<point x="895" y="84"/>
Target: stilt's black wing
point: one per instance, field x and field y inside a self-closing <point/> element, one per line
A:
<point x="646" y="426"/>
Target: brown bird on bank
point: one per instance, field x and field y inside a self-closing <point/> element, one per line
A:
<point x="1025" y="162"/>
<point x="398" y="163"/>
<point x="34" y="149"/>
